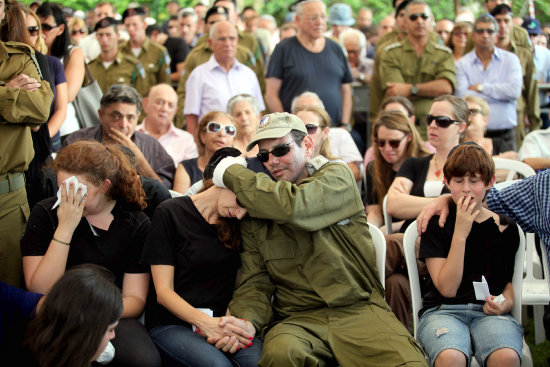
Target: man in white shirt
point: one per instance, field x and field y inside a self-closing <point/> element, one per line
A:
<point x="159" y="107"/>
<point x="212" y="84"/>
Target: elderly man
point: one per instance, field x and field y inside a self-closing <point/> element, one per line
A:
<point x="113" y="67"/>
<point x="212" y="84"/>
<point x="364" y="18"/>
<point x="496" y="76"/>
<point x="417" y="67"/>
<point x="153" y="56"/>
<point x="120" y="108"/>
<point x="309" y="282"/>
<point x="159" y="107"/>
<point x="444" y="27"/>
<point x="312" y="62"/>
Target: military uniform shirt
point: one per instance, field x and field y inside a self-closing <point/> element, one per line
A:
<point x="154" y="59"/>
<point x="125" y="69"/>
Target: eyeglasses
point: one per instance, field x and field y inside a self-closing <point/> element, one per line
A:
<point x="213" y="127"/>
<point x="441" y="121"/>
<point x="415" y="16"/>
<point x="77" y="31"/>
<point x="33" y="30"/>
<point x="312" y="128"/>
<point x="483" y="30"/>
<point x="394" y="143"/>
<point x="460" y="34"/>
<point x="315" y="18"/>
<point x="474" y="111"/>
<point x="278" y="151"/>
<point x="46" y="27"/>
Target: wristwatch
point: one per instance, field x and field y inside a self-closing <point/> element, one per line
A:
<point x="480" y="88"/>
<point x="362" y="77"/>
<point x="414" y="90"/>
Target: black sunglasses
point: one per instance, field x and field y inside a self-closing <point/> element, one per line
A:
<point x="46" y="27"/>
<point x="394" y="143"/>
<point x="33" y="30"/>
<point x="482" y="30"/>
<point x="441" y="121"/>
<point x="415" y="16"/>
<point x="278" y="151"/>
<point x="312" y="128"/>
<point x="77" y="31"/>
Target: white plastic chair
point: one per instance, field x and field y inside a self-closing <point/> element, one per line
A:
<point x="379" y="242"/>
<point x="387" y="217"/>
<point x="513" y="167"/>
<point x="175" y="194"/>
<point x="409" y="240"/>
<point x="536" y="289"/>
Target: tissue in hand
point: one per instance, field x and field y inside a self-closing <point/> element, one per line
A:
<point x="68" y="182"/>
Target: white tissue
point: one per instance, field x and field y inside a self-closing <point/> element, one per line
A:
<point x="499" y="299"/>
<point x="481" y="289"/>
<point x="77" y="185"/>
<point x="107" y="355"/>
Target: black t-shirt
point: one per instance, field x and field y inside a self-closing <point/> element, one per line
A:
<point x="155" y="193"/>
<point x="489" y="252"/>
<point x="178" y="50"/>
<point x="204" y="269"/>
<point x="118" y="249"/>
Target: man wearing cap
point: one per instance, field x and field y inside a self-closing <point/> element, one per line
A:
<point x="89" y="44"/>
<point x="309" y="283"/>
<point x="202" y="52"/>
<point x="340" y="18"/>
<point x="541" y="57"/>
<point x="417" y="67"/>
<point x="112" y="66"/>
<point x="528" y="108"/>
<point x="310" y="61"/>
<point x="495" y="75"/>
<point x="212" y="84"/>
<point x="118" y="114"/>
<point x="152" y="56"/>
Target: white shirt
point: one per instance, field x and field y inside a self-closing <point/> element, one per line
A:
<point x="536" y="144"/>
<point x="343" y="146"/>
<point x="210" y="87"/>
<point x="178" y="143"/>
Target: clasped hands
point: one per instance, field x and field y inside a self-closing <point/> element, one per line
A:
<point x="228" y="333"/>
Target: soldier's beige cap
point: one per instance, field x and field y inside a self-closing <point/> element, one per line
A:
<point x="276" y="125"/>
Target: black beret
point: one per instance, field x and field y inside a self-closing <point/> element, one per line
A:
<point x="133" y="11"/>
<point x="215" y="10"/>
<point x="501" y="9"/>
<point x="402" y="6"/>
<point x="105" y="22"/>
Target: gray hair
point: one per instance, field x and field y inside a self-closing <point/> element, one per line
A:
<point x="486" y="18"/>
<point x="306" y="94"/>
<point x="188" y="12"/>
<point x="352" y="32"/>
<point x="270" y="18"/>
<point x="300" y="5"/>
<point x="121" y="93"/>
<point x="243" y="97"/>
<point x="214" y="28"/>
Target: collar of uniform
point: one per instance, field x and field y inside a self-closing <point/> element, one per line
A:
<point x="213" y="64"/>
<point x="315" y="164"/>
<point x="3" y="52"/>
<point x="146" y="44"/>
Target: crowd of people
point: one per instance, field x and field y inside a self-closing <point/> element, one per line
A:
<point x="215" y="210"/>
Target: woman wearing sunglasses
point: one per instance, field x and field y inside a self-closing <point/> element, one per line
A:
<point x="77" y="30"/>
<point x="193" y="249"/>
<point x="216" y="130"/>
<point x="317" y="123"/>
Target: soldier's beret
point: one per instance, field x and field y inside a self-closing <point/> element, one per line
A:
<point x="105" y="22"/>
<point x="133" y="11"/>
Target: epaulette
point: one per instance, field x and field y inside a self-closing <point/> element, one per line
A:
<point x="391" y="46"/>
<point x="315" y="164"/>
<point x="443" y="48"/>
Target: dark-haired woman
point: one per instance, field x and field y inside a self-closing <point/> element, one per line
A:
<point x="105" y="227"/>
<point x="193" y="249"/>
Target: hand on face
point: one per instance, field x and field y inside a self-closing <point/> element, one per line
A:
<point x="466" y="213"/>
<point x="71" y="209"/>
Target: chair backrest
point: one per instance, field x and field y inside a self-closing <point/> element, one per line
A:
<point x="387" y="217"/>
<point x="379" y="242"/>
<point x="175" y="194"/>
<point x="409" y="240"/>
<point x="513" y="167"/>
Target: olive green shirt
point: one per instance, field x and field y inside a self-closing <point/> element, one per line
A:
<point x="125" y="69"/>
<point x="400" y="63"/>
<point x="20" y="109"/>
<point x="201" y="54"/>
<point x="307" y="245"/>
<point x="154" y="59"/>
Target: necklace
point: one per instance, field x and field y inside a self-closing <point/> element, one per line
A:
<point x="437" y="169"/>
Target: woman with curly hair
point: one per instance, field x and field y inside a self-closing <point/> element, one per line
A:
<point x="103" y="226"/>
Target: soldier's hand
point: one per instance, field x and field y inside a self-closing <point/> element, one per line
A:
<point x="398" y="89"/>
<point x="25" y="82"/>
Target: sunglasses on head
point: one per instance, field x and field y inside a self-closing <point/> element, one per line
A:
<point x="441" y="121"/>
<point x="483" y="30"/>
<point x="312" y="128"/>
<point x="415" y="16"/>
<point x="46" y="27"/>
<point x="214" y="127"/>
<point x="277" y="151"/>
<point x="33" y="30"/>
<point x="77" y="31"/>
<point x="394" y="143"/>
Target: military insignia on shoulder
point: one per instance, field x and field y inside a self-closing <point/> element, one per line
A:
<point x="391" y="46"/>
<point x="264" y="121"/>
<point x="443" y="48"/>
<point x="141" y="70"/>
<point x="316" y="163"/>
<point x="166" y="57"/>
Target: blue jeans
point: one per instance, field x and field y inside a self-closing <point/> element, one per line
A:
<point x="180" y="346"/>
<point x="467" y="327"/>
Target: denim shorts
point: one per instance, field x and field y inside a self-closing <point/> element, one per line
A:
<point x="468" y="329"/>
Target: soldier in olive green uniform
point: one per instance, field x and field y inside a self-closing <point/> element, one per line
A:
<point x="152" y="56"/>
<point x="25" y="103"/>
<point x="120" y="69"/>
<point x="309" y="282"/>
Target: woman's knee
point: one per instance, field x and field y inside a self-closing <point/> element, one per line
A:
<point x="450" y="357"/>
<point x="503" y="357"/>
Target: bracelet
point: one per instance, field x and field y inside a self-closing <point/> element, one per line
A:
<point x="61" y="242"/>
